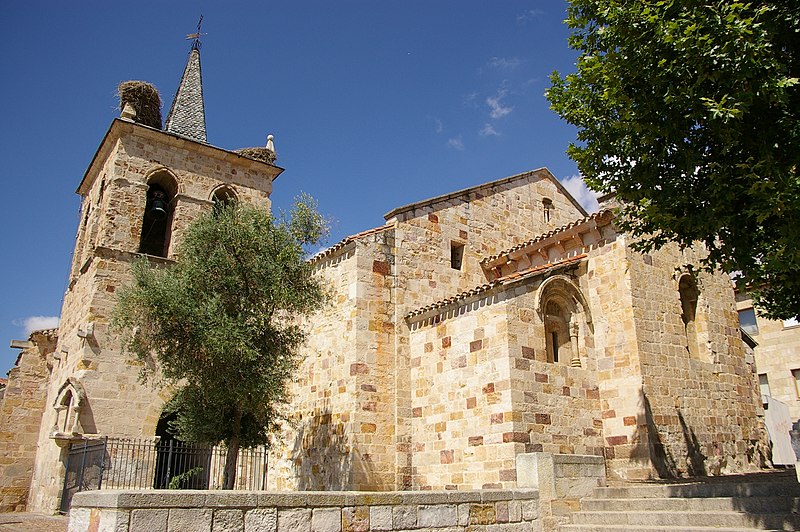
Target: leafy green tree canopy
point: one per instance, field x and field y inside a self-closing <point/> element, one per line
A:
<point x="688" y="110"/>
<point x="221" y="325"/>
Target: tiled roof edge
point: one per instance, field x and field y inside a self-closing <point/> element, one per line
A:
<point x="346" y="240"/>
<point x="596" y="216"/>
<point x="507" y="279"/>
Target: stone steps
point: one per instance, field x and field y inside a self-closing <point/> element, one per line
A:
<point x="735" y="504"/>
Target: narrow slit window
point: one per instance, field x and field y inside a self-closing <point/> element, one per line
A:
<point x="456" y="255"/>
<point x="547" y="209"/>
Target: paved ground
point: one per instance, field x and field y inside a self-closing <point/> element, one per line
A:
<point x="24" y="522"/>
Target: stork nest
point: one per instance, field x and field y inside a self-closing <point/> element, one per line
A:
<point x="259" y="154"/>
<point x="144" y="99"/>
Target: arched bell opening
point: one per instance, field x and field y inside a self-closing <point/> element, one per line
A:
<point x="224" y="196"/>
<point x="567" y="321"/>
<point x="158" y="212"/>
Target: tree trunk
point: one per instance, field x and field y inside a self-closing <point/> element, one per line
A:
<point x="232" y="455"/>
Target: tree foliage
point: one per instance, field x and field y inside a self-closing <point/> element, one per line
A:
<point x="688" y="110"/>
<point x="221" y="325"/>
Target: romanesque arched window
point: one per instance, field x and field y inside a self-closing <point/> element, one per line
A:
<point x="566" y="319"/>
<point x="689" y="295"/>
<point x="158" y="211"/>
<point x="224" y="196"/>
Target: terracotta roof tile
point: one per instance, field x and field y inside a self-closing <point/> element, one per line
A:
<point x="596" y="216"/>
<point x="510" y="278"/>
<point x="346" y="240"/>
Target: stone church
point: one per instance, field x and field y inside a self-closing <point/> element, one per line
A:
<point x="465" y="330"/>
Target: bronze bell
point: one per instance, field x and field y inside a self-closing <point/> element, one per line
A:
<point x="157" y="205"/>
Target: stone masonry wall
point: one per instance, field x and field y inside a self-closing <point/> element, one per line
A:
<point x="343" y="407"/>
<point x="173" y="511"/>
<point x="701" y="414"/>
<point x="20" y="414"/>
<point x="114" y="189"/>
<point x="486" y="220"/>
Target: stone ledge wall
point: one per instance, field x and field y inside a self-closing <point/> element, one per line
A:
<point x="247" y="511"/>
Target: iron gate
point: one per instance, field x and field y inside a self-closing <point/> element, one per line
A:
<point x="134" y="464"/>
<point x="85" y="465"/>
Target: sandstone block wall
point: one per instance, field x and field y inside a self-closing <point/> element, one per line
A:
<point x="21" y="411"/>
<point x="114" y="196"/>
<point x="701" y="412"/>
<point x="173" y="511"/>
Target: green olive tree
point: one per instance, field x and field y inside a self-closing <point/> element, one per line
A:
<point x="222" y="325"/>
<point x="689" y="110"/>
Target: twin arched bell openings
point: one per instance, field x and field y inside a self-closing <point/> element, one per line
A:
<point x="566" y="318"/>
<point x="162" y="187"/>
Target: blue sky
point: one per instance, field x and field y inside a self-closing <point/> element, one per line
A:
<point x="373" y="104"/>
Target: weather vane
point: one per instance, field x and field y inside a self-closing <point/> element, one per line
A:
<point x="196" y="36"/>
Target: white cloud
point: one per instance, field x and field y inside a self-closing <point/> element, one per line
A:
<point x="498" y="110"/>
<point x="456" y="143"/>
<point x="575" y="185"/>
<point x="528" y="15"/>
<point x="37" y="323"/>
<point x="439" y="126"/>
<point x="489" y="131"/>
<point x="470" y="100"/>
<point x="504" y="63"/>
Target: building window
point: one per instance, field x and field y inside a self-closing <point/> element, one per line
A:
<point x="547" y="209"/>
<point x="796" y="378"/>
<point x="158" y="211"/>
<point x="763" y="385"/>
<point x="223" y="196"/>
<point x="747" y="321"/>
<point x="689" y="294"/>
<point x="456" y="255"/>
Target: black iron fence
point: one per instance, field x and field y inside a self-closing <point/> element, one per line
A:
<point x="120" y="463"/>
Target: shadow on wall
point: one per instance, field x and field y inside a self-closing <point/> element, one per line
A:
<point x="324" y="458"/>
<point x="696" y="459"/>
<point x="693" y="464"/>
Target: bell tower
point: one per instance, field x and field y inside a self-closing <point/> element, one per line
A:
<point x="144" y="185"/>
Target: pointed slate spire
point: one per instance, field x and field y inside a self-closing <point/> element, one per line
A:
<point x="187" y="116"/>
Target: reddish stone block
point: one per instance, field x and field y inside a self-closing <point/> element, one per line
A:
<point x="617" y="440"/>
<point x="416" y="411"/>
<point x="565" y="391"/>
<point x="369" y="406"/>
<point x="489" y="388"/>
<point x="462" y="234"/>
<point x="433" y="218"/>
<point x="446" y="456"/>
<point x="359" y="369"/>
<point x="516" y="437"/>
<point x="592" y="393"/>
<point x="542" y="419"/>
<point x="589" y="432"/>
<point x="496" y="419"/>
<point x="446" y="342"/>
<point x="474" y="441"/>
<point x="474" y="346"/>
<point x="608" y="414"/>
<point x="629" y="421"/>
<point x="471" y="402"/>
<point x="428" y="347"/>
<point x="368" y="388"/>
<point x="509" y="475"/>
<point x="528" y="352"/>
<point x="541" y="377"/>
<point x="380" y="266"/>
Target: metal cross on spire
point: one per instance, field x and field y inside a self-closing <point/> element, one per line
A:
<point x="196" y="36"/>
